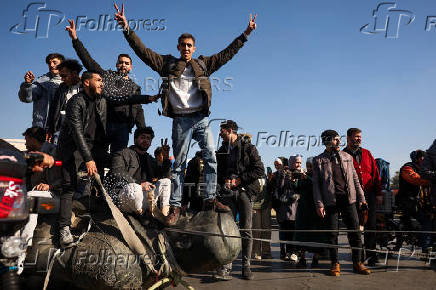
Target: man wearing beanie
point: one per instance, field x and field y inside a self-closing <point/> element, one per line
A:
<point x="336" y="189"/>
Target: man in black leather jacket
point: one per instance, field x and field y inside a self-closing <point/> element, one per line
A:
<point x="81" y="141"/>
<point x="121" y="118"/>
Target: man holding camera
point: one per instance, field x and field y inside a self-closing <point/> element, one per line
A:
<point x="336" y="189"/>
<point x="239" y="169"/>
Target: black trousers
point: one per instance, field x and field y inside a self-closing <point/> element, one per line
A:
<point x="241" y="203"/>
<point x="70" y="168"/>
<point x="262" y="220"/>
<point x="69" y="185"/>
<point x="351" y="220"/>
<point x="371" y="224"/>
<point x="286" y="236"/>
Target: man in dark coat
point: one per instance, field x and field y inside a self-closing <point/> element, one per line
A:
<point x="69" y="70"/>
<point x="121" y="118"/>
<point x="81" y="142"/>
<point x="142" y="168"/>
<point x="239" y="170"/>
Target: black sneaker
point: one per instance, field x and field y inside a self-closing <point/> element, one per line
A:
<point x="246" y="273"/>
<point x="373" y="262"/>
<point x="302" y="263"/>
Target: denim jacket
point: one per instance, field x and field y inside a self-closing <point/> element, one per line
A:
<point x="41" y="93"/>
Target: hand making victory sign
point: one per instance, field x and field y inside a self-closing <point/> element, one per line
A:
<point x="251" y="25"/>
<point x="165" y="148"/>
<point x="71" y="29"/>
<point x="120" y="17"/>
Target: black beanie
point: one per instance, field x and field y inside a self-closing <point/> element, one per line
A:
<point x="328" y="135"/>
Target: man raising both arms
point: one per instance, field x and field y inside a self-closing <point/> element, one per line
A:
<point x="186" y="98"/>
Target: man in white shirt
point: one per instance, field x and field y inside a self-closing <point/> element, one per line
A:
<point x="186" y="96"/>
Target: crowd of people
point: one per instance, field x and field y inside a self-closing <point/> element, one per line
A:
<point x="84" y="120"/>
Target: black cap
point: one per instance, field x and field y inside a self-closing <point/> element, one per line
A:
<point x="229" y="124"/>
<point x="328" y="135"/>
<point x="35" y="132"/>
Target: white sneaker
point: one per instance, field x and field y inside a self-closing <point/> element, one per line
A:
<point x="293" y="258"/>
<point x="65" y="236"/>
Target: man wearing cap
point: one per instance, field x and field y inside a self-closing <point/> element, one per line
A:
<point x="336" y="189"/>
<point x="239" y="170"/>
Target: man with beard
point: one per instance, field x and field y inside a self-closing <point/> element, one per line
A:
<point x="121" y="119"/>
<point x="370" y="181"/>
<point x="336" y="189"/>
<point x="239" y="170"/>
<point x="81" y="141"/>
<point x="186" y="98"/>
<point x="41" y="91"/>
<point x="142" y="169"/>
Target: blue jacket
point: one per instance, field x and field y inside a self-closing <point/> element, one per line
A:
<point x="41" y="93"/>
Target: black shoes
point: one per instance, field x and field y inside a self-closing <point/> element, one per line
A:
<point x="246" y="273"/>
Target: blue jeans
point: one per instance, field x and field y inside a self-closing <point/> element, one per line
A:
<point x="186" y="128"/>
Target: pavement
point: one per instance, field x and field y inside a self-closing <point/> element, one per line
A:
<point x="412" y="273"/>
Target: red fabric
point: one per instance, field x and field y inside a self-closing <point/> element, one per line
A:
<point x="367" y="171"/>
<point x="409" y="175"/>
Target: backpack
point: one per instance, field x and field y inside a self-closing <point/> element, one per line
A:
<point x="383" y="169"/>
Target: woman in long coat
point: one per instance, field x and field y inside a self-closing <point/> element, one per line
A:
<point x="307" y="218"/>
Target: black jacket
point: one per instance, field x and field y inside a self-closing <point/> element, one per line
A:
<point x="428" y="170"/>
<point x="249" y="166"/>
<point x="114" y="85"/>
<point x="128" y="162"/>
<point x="59" y="104"/>
<point x="71" y="139"/>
